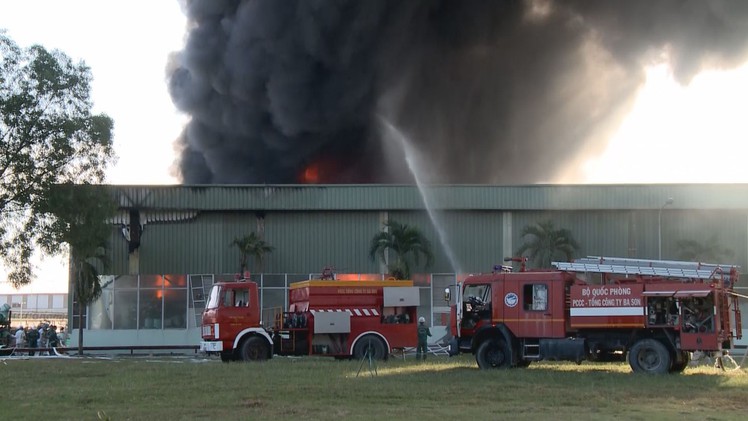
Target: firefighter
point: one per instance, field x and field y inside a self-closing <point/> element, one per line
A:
<point x="33" y="337"/>
<point x="52" y="340"/>
<point x="423" y="334"/>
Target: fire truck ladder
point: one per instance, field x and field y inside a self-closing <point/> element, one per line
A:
<point x="200" y="286"/>
<point x="663" y="268"/>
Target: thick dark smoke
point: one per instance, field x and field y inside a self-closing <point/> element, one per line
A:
<point x="487" y="91"/>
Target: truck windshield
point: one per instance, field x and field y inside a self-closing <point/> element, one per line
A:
<point x="479" y="293"/>
<point x="214" y="297"/>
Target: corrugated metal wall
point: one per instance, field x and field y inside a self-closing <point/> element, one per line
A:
<point x="306" y="242"/>
<point x="303" y="242"/>
<point x="728" y="229"/>
<point x="334" y="225"/>
<point x="473" y="236"/>
<point x="201" y="245"/>
<point x="599" y="233"/>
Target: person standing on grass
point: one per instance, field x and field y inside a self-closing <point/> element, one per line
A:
<point x="42" y="336"/>
<point x="423" y="334"/>
<point x="33" y="337"/>
<point x="52" y="340"/>
<point x="20" y="335"/>
<point x="63" y="336"/>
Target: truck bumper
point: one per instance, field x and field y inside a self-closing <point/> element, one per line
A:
<point x="211" y="346"/>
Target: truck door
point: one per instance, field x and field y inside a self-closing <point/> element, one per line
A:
<point x="239" y="308"/>
<point x="476" y="307"/>
<point x="540" y="310"/>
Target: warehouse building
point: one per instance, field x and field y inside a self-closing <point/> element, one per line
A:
<point x="169" y="244"/>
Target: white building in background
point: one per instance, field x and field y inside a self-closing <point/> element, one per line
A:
<point x="32" y="309"/>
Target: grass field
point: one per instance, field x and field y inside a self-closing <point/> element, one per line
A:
<point x="173" y="388"/>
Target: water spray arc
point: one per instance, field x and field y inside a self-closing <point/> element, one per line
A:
<point x="415" y="168"/>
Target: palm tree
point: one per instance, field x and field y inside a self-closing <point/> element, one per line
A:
<point x="709" y="251"/>
<point x="405" y="241"/>
<point x="544" y="243"/>
<point x="252" y="246"/>
<point x="86" y="283"/>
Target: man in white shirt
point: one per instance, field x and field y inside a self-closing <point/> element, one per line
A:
<point x="20" y="337"/>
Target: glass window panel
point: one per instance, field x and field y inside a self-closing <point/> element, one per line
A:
<point x="125" y="303"/>
<point x="272" y="298"/>
<point x="151" y="281"/>
<point x="535" y="297"/>
<point x="76" y="323"/>
<point x="123" y="281"/>
<point x="296" y="277"/>
<point x="175" y="309"/>
<point x="215" y="297"/>
<point x="227" y="299"/>
<point x="540" y="297"/>
<point x="150" y="309"/>
<point x="241" y="297"/>
<point x="30" y="303"/>
<point x="175" y="281"/>
<point x="425" y="308"/>
<point x="42" y="302"/>
<point x="58" y="301"/>
<point x="200" y="286"/>
<point x="273" y="280"/>
<point x="100" y="311"/>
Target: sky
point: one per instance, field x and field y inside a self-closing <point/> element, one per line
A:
<point x="680" y="134"/>
<point x="127" y="44"/>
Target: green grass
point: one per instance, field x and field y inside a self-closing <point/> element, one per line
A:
<point x="310" y="388"/>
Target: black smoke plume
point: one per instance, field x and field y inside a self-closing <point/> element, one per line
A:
<point x="284" y="91"/>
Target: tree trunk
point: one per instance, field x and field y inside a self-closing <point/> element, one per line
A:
<point x="80" y="328"/>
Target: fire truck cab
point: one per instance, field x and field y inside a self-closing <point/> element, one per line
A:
<point x="231" y="323"/>
<point x="652" y="312"/>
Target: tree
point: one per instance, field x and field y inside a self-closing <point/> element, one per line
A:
<point x="406" y="242"/>
<point x="48" y="136"/>
<point x="709" y="251"/>
<point x="87" y="283"/>
<point x="77" y="221"/>
<point x="543" y="244"/>
<point x="252" y="246"/>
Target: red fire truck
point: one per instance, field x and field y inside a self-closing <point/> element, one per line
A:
<point x="653" y="312"/>
<point x="325" y="317"/>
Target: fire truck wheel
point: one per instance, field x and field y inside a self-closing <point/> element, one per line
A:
<point x="377" y="348"/>
<point x="493" y="353"/>
<point x="227" y="356"/>
<point x="680" y="364"/>
<point x="523" y="363"/>
<point x="649" y="356"/>
<point x="254" y="349"/>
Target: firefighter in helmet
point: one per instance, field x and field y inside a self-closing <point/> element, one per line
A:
<point x="423" y="334"/>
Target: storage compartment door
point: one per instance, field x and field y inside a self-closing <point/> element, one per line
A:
<point x="401" y="296"/>
<point x="332" y="322"/>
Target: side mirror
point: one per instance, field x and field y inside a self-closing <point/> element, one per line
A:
<point x="447" y="294"/>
